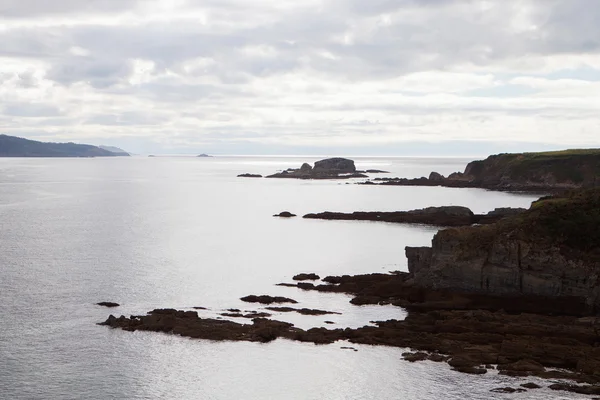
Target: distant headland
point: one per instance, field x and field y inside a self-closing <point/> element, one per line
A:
<point x="12" y="146"/>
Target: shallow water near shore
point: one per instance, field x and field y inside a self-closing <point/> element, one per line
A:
<point x="185" y="232"/>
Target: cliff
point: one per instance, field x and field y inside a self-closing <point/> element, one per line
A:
<point x="547" y="171"/>
<point x="11" y="146"/>
<point x="552" y="249"/>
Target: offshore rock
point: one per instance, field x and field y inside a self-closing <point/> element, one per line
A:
<point x="285" y="214"/>
<point x="265" y="299"/>
<point x="438" y="216"/>
<point x="330" y="168"/>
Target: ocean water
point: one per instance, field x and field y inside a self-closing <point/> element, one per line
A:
<point x="182" y="232"/>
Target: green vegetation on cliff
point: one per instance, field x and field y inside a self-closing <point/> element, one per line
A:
<point x="579" y="167"/>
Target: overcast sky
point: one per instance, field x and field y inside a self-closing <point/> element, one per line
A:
<point x="313" y="76"/>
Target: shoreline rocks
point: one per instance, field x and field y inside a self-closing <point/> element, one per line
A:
<point x="265" y="299"/>
<point x="438" y="216"/>
<point x="249" y="176"/>
<point x="543" y="172"/>
<point x="306" y="277"/>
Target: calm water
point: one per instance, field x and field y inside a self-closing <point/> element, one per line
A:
<point x="185" y="232"/>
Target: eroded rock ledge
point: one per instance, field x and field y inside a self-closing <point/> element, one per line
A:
<point x="439" y="216"/>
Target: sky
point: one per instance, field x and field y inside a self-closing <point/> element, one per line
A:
<point x="376" y="77"/>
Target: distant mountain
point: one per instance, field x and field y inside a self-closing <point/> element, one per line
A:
<point x="11" y="146"/>
<point x="116" y="150"/>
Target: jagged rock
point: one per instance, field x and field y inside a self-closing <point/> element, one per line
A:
<point x="306" y="277"/>
<point x="265" y="299"/>
<point x="108" y="304"/>
<point x="285" y="214"/>
<point x="436" y="177"/>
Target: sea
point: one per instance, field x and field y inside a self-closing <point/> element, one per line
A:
<point x="182" y="232"/>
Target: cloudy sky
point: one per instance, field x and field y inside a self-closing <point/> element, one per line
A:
<point x="305" y="77"/>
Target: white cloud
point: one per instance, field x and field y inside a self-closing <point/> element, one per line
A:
<point x="319" y="72"/>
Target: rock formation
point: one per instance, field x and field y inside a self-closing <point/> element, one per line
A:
<point x="285" y="214"/>
<point x="330" y="168"/>
<point x="439" y="216"/>
<point x="553" y="249"/>
<point x="249" y="175"/>
<point x="534" y="172"/>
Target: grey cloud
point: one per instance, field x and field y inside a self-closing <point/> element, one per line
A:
<point x="33" y="8"/>
<point x="30" y="110"/>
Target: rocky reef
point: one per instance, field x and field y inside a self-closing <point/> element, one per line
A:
<point x="438" y="216"/>
<point x="532" y="172"/>
<point x="552" y="249"/>
<point x="330" y="168"/>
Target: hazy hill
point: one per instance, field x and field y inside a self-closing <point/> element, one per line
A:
<point x="11" y="146"/>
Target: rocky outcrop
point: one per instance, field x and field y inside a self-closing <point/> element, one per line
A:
<point x="249" y="176"/>
<point x="330" y="168"/>
<point x="552" y="250"/>
<point x="306" y="277"/>
<point x="265" y="299"/>
<point x="285" y="214"/>
<point x="303" y="311"/>
<point x="108" y="304"/>
<point x="439" y="216"/>
<point x="533" y="172"/>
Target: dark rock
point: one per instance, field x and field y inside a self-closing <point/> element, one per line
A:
<point x="436" y="177"/>
<point x="306" y="277"/>
<point x="530" y="385"/>
<point x="287" y="284"/>
<point x="417" y="356"/>
<point x="265" y="299"/>
<point x="303" y="311"/>
<point x="507" y="390"/>
<point x="335" y="165"/>
<point x="234" y="310"/>
<point x="200" y="308"/>
<point x="305" y="285"/>
<point x="249" y="176"/>
<point x="348" y="348"/>
<point x="285" y="214"/>
<point x="581" y="389"/>
<point x="108" y="304"/>
<point x="329" y="322"/>
<point x="545" y="251"/>
<point x="376" y="171"/>
<point x="440" y="216"/>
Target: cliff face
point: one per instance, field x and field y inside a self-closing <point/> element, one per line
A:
<point x="553" y="249"/>
<point x="567" y="169"/>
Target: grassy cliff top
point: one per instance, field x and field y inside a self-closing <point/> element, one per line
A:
<point x="570" y="222"/>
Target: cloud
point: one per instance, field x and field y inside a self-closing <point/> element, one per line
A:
<point x="314" y="73"/>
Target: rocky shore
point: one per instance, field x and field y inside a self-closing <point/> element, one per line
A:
<point x="521" y="296"/>
<point x="527" y="172"/>
<point x="438" y="216"/>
